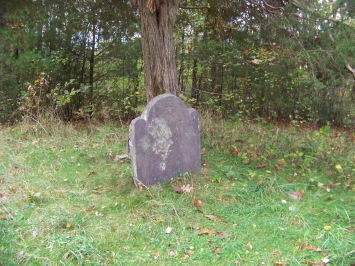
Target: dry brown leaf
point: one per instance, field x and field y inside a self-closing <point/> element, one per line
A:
<point x="155" y="254"/>
<point x="197" y="202"/>
<point x="183" y="189"/>
<point x="205" y="231"/>
<point x="262" y="165"/>
<point x="297" y="195"/>
<point x="212" y="217"/>
<point x="310" y="263"/>
<point x="249" y="245"/>
<point x="177" y="189"/>
<point x="277" y="263"/>
<point x="234" y="151"/>
<point x="188" y="188"/>
<point x="216" y="250"/>
<point x="92" y="173"/>
<point x="310" y="247"/>
<point x="246" y="161"/>
<point x="98" y="187"/>
<point x="223" y="234"/>
<point x="91" y="208"/>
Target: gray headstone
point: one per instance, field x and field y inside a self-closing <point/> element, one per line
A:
<point x="164" y="141"/>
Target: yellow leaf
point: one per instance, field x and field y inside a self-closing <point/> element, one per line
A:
<point x="338" y="167"/>
<point x="327" y="227"/>
<point x="68" y="225"/>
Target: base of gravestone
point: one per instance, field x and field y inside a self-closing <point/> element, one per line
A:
<point x="164" y="141"/>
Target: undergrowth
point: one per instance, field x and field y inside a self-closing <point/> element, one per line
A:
<point x="266" y="195"/>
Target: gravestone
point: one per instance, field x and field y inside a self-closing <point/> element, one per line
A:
<point x="164" y="141"/>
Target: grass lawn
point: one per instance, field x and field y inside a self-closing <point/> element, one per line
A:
<point x="266" y="195"/>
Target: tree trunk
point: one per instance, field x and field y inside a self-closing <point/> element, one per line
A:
<point x="194" y="90"/>
<point x="92" y="61"/>
<point x="157" y="19"/>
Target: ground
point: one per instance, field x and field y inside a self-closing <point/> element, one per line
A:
<point x="267" y="195"/>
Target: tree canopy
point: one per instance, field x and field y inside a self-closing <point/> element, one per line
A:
<point x="268" y="59"/>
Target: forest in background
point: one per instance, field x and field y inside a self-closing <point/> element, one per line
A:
<point x="264" y="59"/>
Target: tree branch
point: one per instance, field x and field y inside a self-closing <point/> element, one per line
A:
<point x="193" y="7"/>
<point x="272" y="7"/>
<point x="297" y="4"/>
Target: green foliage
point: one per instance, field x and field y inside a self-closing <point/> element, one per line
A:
<point x="289" y="62"/>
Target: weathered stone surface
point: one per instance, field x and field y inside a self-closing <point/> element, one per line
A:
<point x="164" y="141"/>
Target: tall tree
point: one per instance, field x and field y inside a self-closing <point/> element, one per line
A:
<point x="157" y="19"/>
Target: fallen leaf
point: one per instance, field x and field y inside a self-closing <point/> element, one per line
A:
<point x="297" y="195"/>
<point x="216" y="250"/>
<point x="310" y="263"/>
<point x="155" y="254"/>
<point x="68" y="225"/>
<point x="223" y="234"/>
<point x="338" y="167"/>
<point x="183" y="189"/>
<point x="121" y="158"/>
<point x="326" y="260"/>
<point x="327" y="227"/>
<point x="292" y="208"/>
<point x="188" y="253"/>
<point x="177" y="189"/>
<point x="168" y="230"/>
<point x="246" y="161"/>
<point x="278" y="263"/>
<point x="212" y="217"/>
<point x="310" y="247"/>
<point x="261" y="165"/>
<point x="91" y="208"/>
<point x="197" y="202"/>
<point x="170" y="252"/>
<point x="36" y="141"/>
<point x="98" y="187"/>
<point x="234" y="151"/>
<point x="188" y="188"/>
<point x="92" y="173"/>
<point x="205" y="231"/>
<point x="249" y="245"/>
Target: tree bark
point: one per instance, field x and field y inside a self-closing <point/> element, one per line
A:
<point x="157" y="19"/>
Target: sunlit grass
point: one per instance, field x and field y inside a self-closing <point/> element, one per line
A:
<point x="65" y="200"/>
